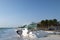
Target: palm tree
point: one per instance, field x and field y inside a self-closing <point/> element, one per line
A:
<point x="46" y="23"/>
<point x="55" y="22"/>
<point x="50" y="23"/>
<point x="42" y="23"/>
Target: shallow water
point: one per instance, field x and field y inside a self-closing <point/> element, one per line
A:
<point x="7" y="34"/>
<point x="10" y="34"/>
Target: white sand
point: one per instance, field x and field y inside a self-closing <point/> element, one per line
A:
<point x="50" y="37"/>
<point x="39" y="35"/>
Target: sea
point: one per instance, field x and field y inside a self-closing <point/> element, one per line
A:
<point x="8" y="34"/>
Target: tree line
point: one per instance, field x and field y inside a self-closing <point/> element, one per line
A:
<point x="48" y="23"/>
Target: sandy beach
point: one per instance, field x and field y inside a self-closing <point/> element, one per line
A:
<point x="50" y="37"/>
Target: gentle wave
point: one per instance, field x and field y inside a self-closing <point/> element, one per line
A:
<point x="6" y="33"/>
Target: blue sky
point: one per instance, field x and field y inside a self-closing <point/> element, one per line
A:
<point x="19" y="12"/>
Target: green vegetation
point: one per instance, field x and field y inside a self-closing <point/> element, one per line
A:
<point x="48" y="23"/>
